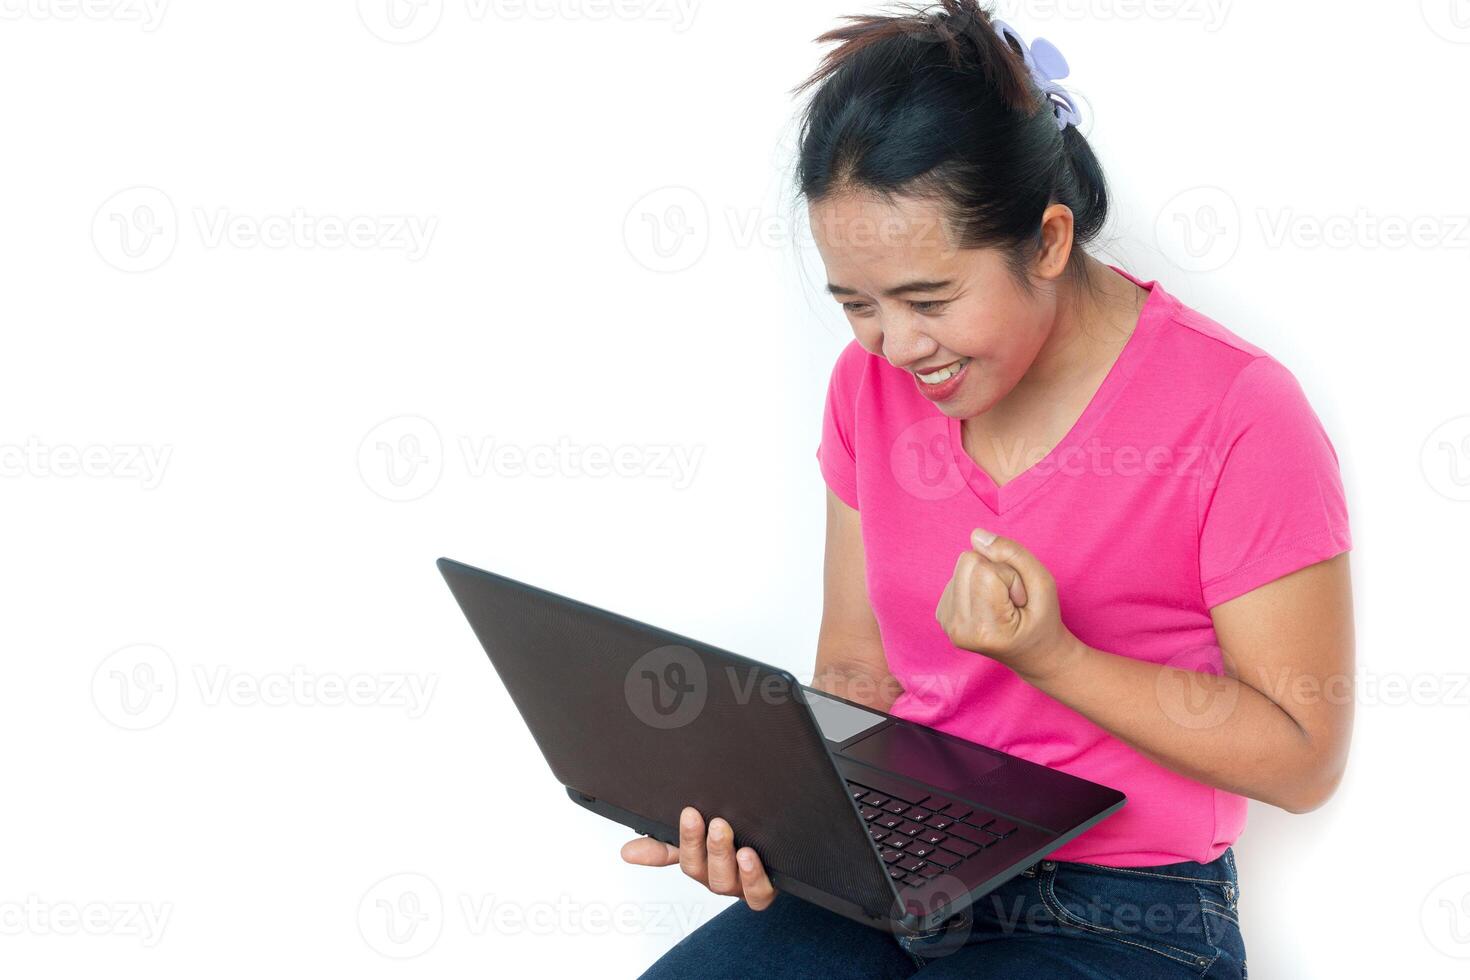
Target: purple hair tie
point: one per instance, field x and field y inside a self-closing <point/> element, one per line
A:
<point x="1047" y="67"/>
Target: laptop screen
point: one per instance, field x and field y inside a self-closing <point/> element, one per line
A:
<point x="838" y="720"/>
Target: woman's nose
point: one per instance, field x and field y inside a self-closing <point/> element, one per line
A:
<point x="904" y="345"/>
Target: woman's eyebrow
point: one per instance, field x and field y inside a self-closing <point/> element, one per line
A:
<point x="917" y="286"/>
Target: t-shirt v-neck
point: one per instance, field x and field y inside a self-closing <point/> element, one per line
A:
<point x="1000" y="498"/>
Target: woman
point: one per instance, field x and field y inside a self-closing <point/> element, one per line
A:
<point x="1067" y="517"/>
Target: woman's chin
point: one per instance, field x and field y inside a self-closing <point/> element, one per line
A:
<point x="966" y="404"/>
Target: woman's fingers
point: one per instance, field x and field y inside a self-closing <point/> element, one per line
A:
<point x="1001" y="581"/>
<point x="759" y="893"/>
<point x="691" y="844"/>
<point x="1013" y="582"/>
<point x="724" y="879"/>
<point x="707" y="854"/>
<point x="964" y="572"/>
<point x="650" y="852"/>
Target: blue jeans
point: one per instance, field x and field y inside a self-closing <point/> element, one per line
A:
<point x="1057" y="920"/>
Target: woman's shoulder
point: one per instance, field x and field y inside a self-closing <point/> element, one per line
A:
<point x="1207" y="342"/>
<point x="858" y="375"/>
<point x="1215" y="357"/>
<point x="1226" y="374"/>
<point x="851" y="360"/>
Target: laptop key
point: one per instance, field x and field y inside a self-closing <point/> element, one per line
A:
<point x="921" y="849"/>
<point x="910" y="828"/>
<point x="938" y="821"/>
<point x="956" y="810"/>
<point x="895" y="789"/>
<point x="979" y="819"/>
<point x="870" y="813"/>
<point x="915" y="881"/>
<point x="889" y="855"/>
<point x="897" y="873"/>
<point x="875" y="799"/>
<point x="943" y="858"/>
<point x="1001" y="828"/>
<point x="897" y="841"/>
<point x="920" y="814"/>
<point x="858" y="792"/>
<point x="931" y="871"/>
<point x="965" y="832"/>
<point x="932" y="836"/>
<point x="961" y="847"/>
<point x="891" y="822"/>
<point x="894" y="806"/>
<point x="910" y="864"/>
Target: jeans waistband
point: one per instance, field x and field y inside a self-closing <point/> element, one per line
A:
<point x="1220" y="871"/>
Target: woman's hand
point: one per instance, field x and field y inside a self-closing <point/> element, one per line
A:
<point x="1002" y="602"/>
<point x="709" y="858"/>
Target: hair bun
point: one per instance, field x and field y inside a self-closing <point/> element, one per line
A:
<point x="939" y="102"/>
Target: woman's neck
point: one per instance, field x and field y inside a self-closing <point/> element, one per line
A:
<point x="1096" y="314"/>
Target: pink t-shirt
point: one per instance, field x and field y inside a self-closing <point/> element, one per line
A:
<point x="1197" y="473"/>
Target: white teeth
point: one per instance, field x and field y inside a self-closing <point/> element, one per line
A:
<point x="943" y="374"/>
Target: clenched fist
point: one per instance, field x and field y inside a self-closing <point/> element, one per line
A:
<point x="1002" y="602"/>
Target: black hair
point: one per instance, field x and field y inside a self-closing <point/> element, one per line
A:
<point x="934" y="103"/>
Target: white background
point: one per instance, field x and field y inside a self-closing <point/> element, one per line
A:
<point x="279" y="431"/>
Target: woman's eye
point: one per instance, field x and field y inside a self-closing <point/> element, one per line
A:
<point x="925" y="307"/>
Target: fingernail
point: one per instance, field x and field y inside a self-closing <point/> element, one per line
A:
<point x="982" y="538"/>
<point x="686" y="818"/>
<point x="747" y="863"/>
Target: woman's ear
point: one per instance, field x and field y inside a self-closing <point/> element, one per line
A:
<point x="1057" y="229"/>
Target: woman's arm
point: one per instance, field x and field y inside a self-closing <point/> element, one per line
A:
<point x="1275" y="728"/>
<point x="850" y="660"/>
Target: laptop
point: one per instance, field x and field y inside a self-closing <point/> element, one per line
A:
<point x="891" y="824"/>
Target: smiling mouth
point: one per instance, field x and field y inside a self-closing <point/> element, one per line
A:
<point x="942" y="375"/>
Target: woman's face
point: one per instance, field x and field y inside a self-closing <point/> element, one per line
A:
<point x="956" y="319"/>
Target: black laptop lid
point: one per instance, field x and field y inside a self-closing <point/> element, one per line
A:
<point x="650" y="721"/>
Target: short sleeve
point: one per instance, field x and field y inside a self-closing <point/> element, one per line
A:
<point x="1271" y="496"/>
<point x="837" y="452"/>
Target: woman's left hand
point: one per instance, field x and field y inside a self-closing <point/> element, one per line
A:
<point x="1002" y="602"/>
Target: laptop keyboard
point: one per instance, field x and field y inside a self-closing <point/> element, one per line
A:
<point x="921" y="836"/>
